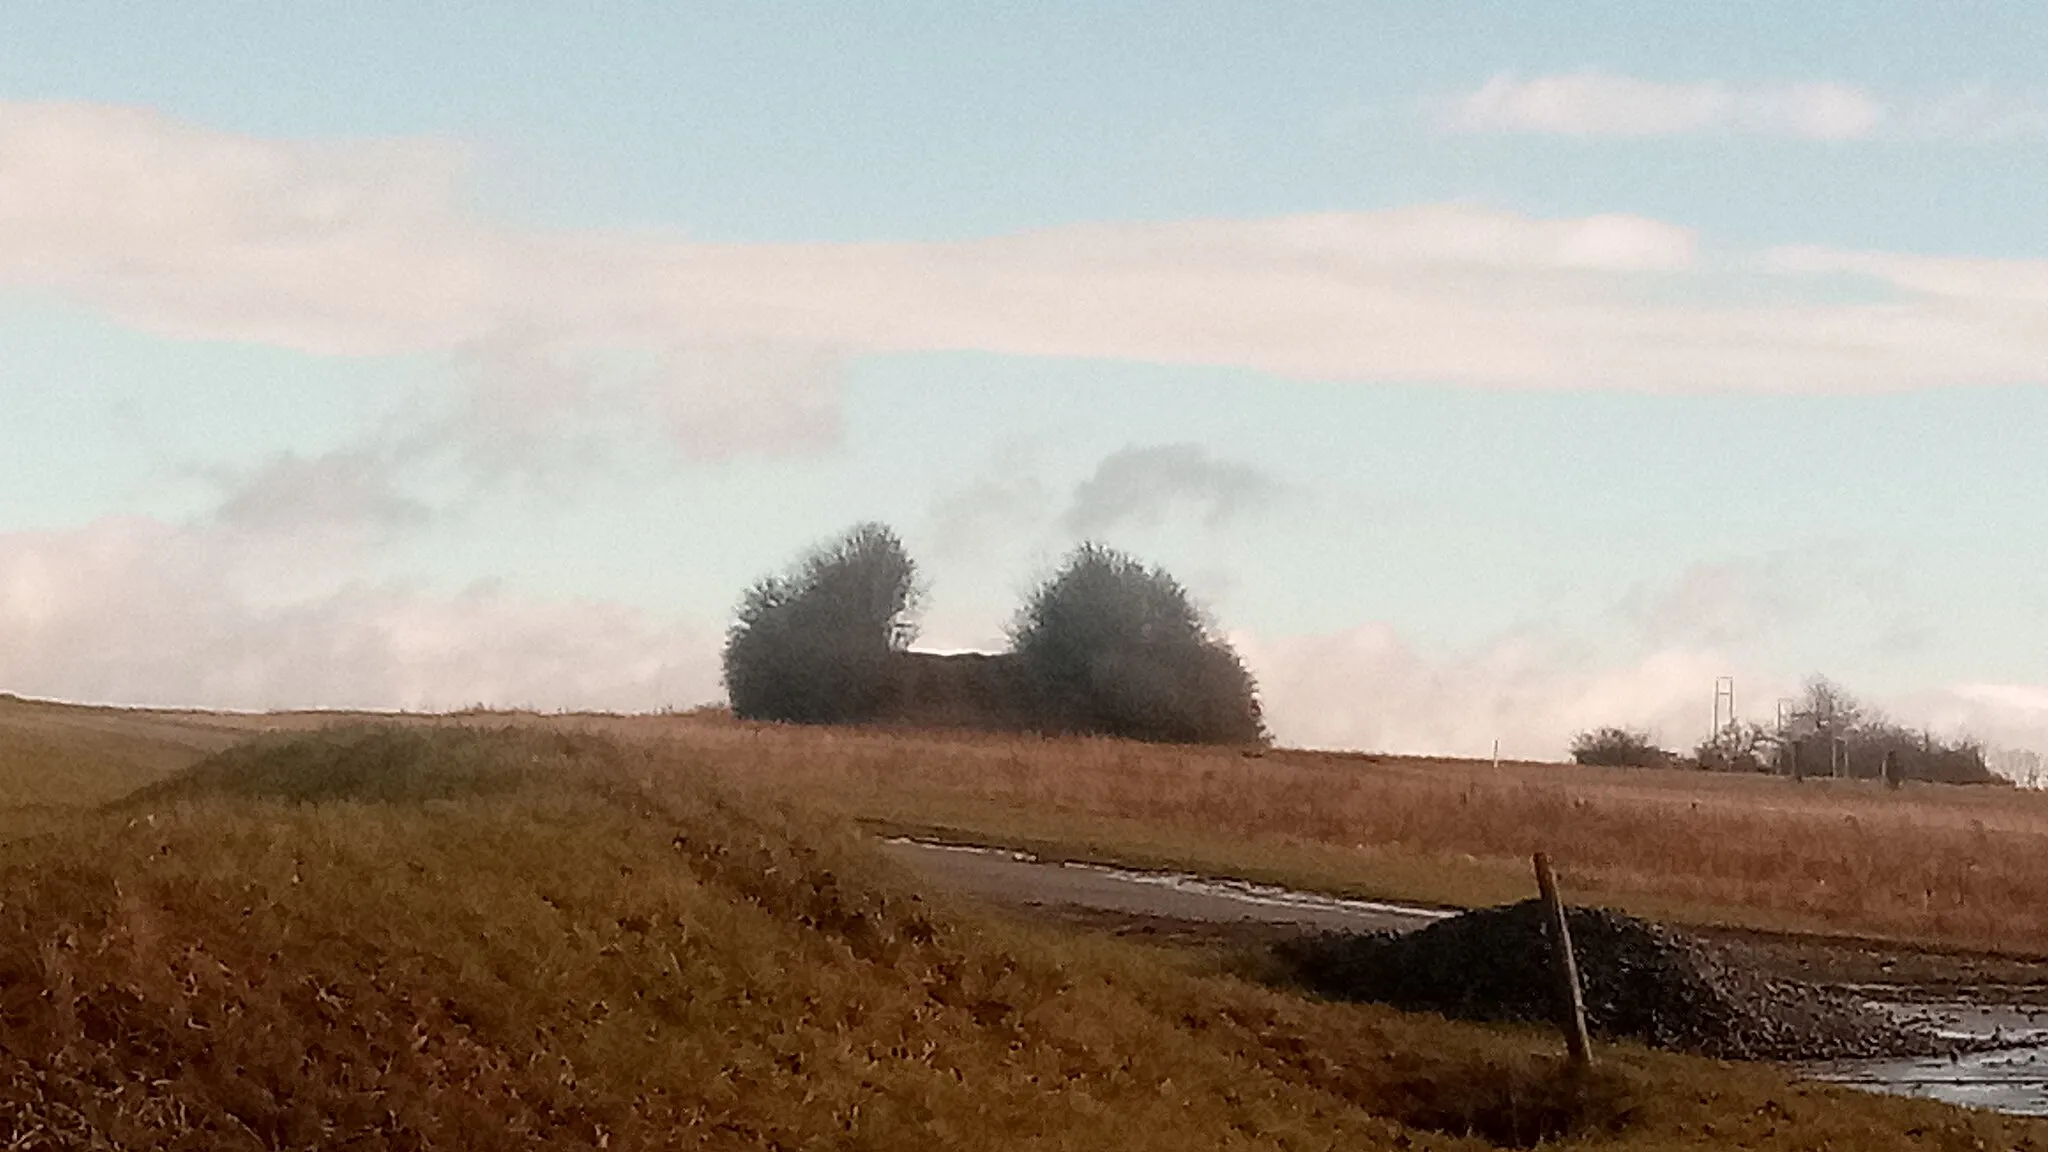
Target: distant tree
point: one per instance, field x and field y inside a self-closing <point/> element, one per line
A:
<point x="814" y="644"/>
<point x="1739" y="747"/>
<point x="1827" y="710"/>
<point x="1827" y="722"/>
<point x="1110" y="645"/>
<point x="1618" y="748"/>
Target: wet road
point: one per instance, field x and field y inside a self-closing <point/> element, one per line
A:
<point x="2012" y="1079"/>
<point x="1018" y="878"/>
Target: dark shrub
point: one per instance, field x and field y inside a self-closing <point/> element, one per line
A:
<point x="815" y="644"/>
<point x="1112" y="646"/>
<point x="1619" y="748"/>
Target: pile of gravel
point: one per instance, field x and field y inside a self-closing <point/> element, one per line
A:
<point x="1641" y="982"/>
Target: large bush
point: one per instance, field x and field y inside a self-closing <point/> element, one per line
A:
<point x="1110" y="645"/>
<point x="1618" y="748"/>
<point x="814" y="645"/>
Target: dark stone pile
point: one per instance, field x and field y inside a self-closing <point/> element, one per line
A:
<point x="1641" y="982"/>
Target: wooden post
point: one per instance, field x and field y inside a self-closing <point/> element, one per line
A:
<point x="1571" y="1003"/>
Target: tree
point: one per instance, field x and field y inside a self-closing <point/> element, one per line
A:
<point x="1110" y="645"/>
<point x="814" y="644"/>
<point x="1827" y="710"/>
<point x="1618" y="748"/>
<point x="1739" y="747"/>
<point x="1834" y="723"/>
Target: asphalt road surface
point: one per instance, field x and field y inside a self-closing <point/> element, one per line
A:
<point x="1018" y="879"/>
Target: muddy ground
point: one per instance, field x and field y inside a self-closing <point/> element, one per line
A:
<point x="1190" y="913"/>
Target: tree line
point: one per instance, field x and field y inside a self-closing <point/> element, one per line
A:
<point x="1106" y="644"/>
<point x="1826" y="732"/>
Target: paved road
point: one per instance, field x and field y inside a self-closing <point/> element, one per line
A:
<point x="1014" y="878"/>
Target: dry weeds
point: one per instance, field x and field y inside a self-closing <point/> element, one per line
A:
<point x="1945" y="866"/>
<point x="614" y="952"/>
<point x="1942" y="865"/>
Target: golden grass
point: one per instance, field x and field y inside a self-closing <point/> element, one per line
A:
<point x="615" y="952"/>
<point x="1948" y="866"/>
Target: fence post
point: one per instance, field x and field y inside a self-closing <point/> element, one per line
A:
<point x="1571" y="1003"/>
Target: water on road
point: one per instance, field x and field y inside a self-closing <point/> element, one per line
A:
<point x="2011" y="1078"/>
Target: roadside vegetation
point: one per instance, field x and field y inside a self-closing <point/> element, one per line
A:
<point x="531" y="937"/>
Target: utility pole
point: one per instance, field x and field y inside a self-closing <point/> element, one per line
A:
<point x="1724" y="704"/>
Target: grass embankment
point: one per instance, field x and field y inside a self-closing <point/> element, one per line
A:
<point x="464" y="939"/>
<point x="1932" y="865"/>
<point x="1940" y="865"/>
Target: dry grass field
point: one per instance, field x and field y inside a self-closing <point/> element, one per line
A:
<point x="1940" y="865"/>
<point x="472" y="937"/>
<point x="1935" y="865"/>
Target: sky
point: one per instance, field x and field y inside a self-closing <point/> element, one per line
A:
<point x="1487" y="373"/>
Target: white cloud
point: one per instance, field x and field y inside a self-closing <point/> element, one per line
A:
<point x="791" y="403"/>
<point x="137" y="611"/>
<point x="364" y="248"/>
<point x="1367" y="688"/>
<point x="1603" y="104"/>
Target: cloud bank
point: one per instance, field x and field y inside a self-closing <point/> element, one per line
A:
<point x="1604" y="104"/>
<point x="136" y="611"/>
<point x="363" y="248"/>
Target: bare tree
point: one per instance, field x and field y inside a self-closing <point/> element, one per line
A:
<point x="1826" y="709"/>
<point x="1738" y="747"/>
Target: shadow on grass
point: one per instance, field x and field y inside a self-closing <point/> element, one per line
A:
<point x="1513" y="1104"/>
<point x="371" y="763"/>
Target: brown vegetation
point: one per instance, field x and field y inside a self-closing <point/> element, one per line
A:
<point x="1954" y="867"/>
<point x="569" y="941"/>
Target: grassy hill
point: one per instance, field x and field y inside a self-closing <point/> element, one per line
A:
<point x="510" y="937"/>
<point x="1949" y="866"/>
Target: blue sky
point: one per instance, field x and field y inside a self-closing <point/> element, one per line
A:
<point x="1490" y="374"/>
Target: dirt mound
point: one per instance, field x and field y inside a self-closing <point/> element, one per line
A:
<point x="373" y="763"/>
<point x="1642" y="982"/>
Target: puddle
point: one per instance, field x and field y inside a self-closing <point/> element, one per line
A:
<point x="2011" y="1078"/>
